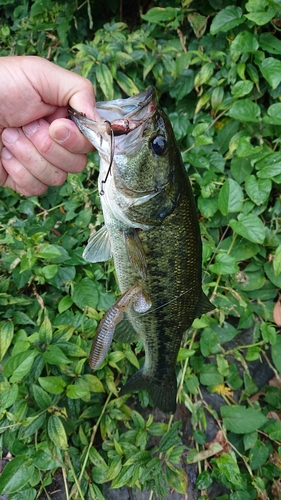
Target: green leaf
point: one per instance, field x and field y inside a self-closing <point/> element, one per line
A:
<point x="176" y="478"/>
<point x="49" y="271"/>
<point x="44" y="460"/>
<point x="240" y="169"/>
<point x="277" y="261"/>
<point x="203" y="481"/>
<point x="261" y="13"/>
<point x="45" y="331"/>
<point x="183" y="85"/>
<point x="32" y="425"/>
<point x="97" y="459"/>
<point x="94" y="384"/>
<point x="224" y="264"/>
<point x="170" y="438"/>
<point x="210" y="376"/>
<point x="241" y="420"/>
<point x="271" y="70"/>
<point x="273" y="113"/>
<point x="227" y="19"/>
<point x="230" y="197"/>
<point x="209" y="342"/>
<point x="276" y="353"/>
<point x="41" y="397"/>
<point x="217" y="98"/>
<point x="124" y="476"/>
<point x="26" y="494"/>
<point x="71" y="349"/>
<point x="258" y="189"/>
<point x="55" y="356"/>
<point x="242" y="88"/>
<point x="198" y="23"/>
<point x="141" y="457"/>
<point x="19" y="365"/>
<point x="245" y="111"/>
<point x="274" y="431"/>
<point x="270" y="171"/>
<point x="9" y="397"/>
<point x="104" y="77"/>
<point x="245" y="42"/>
<point x="228" y="466"/>
<point x="6" y="337"/>
<point x="86" y="294"/>
<point x="54" y="385"/>
<point x="268" y="333"/>
<point x="114" y="469"/>
<point x="76" y="392"/>
<point x="65" y="303"/>
<point x="16" y="475"/>
<point x="250" y="227"/>
<point x="47" y="251"/>
<point x="57" y="433"/>
<point x="270" y="43"/>
<point x="204" y="74"/>
<point x="126" y="84"/>
<point x="259" y="455"/>
<point x="160" y="15"/>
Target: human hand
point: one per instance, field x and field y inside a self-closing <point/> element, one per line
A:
<point x="38" y="145"/>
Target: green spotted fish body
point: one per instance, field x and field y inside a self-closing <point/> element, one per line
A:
<point x="151" y="230"/>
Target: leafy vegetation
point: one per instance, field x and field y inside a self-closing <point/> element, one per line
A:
<point x="217" y="67"/>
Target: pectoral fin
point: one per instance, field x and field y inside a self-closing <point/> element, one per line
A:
<point x="98" y="248"/>
<point x="135" y="251"/>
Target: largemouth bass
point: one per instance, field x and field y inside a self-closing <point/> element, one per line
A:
<point x="151" y="230"/>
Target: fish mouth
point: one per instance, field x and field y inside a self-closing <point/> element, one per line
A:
<point x="118" y="117"/>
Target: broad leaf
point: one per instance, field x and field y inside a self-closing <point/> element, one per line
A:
<point x="250" y="227"/>
<point x="227" y="19"/>
<point x="241" y="420"/>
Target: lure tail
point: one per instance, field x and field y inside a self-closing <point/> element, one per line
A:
<point x="162" y="392"/>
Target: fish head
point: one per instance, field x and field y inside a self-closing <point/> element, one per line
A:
<point x="136" y="143"/>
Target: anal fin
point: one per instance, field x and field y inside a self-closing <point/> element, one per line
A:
<point x="162" y="393"/>
<point x="125" y="332"/>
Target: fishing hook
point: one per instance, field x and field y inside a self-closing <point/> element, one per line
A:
<point x="112" y="147"/>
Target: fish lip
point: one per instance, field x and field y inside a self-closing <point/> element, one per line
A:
<point x="120" y="108"/>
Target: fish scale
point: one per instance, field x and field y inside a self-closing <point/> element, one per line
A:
<point x="152" y="232"/>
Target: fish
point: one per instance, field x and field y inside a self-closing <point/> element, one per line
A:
<point x="151" y="230"/>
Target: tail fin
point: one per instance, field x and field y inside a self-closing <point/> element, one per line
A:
<point x="163" y="393"/>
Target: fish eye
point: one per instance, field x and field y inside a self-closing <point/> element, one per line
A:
<point x="158" y="145"/>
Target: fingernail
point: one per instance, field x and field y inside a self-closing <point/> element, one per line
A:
<point x="60" y="134"/>
<point x="6" y="154"/>
<point x="10" y="135"/>
<point x="31" y="128"/>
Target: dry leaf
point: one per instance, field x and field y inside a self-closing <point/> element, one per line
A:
<point x="219" y="438"/>
<point x="276" y="490"/>
<point x="273" y="414"/>
<point x="277" y="312"/>
<point x="275" y="382"/>
<point x="256" y="396"/>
